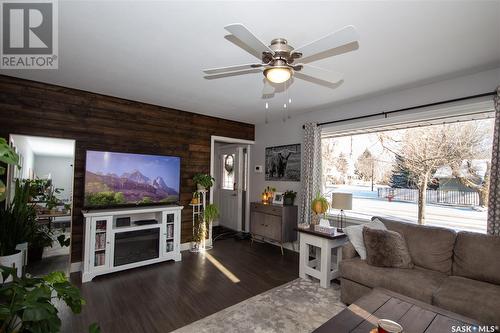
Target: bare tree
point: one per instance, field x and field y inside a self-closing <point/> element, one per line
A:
<point x="342" y="166"/>
<point x="329" y="158"/>
<point x="472" y="179"/>
<point x="364" y="165"/>
<point x="424" y="149"/>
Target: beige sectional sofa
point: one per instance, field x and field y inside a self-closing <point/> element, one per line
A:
<point x="459" y="272"/>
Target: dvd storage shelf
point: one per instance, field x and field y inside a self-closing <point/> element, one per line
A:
<point x="125" y="238"/>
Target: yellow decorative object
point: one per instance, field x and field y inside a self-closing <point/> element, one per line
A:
<point x="319" y="205"/>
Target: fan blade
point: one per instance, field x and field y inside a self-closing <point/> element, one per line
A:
<point x="321" y="74"/>
<point x="243" y="34"/>
<point x="336" y="39"/>
<point x="268" y="89"/>
<point x="230" y="68"/>
<point x="230" y="74"/>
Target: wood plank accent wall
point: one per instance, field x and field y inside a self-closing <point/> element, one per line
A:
<point x="101" y="122"/>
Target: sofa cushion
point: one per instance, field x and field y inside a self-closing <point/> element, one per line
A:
<point x="476" y="256"/>
<point x="348" y="251"/>
<point x="385" y="248"/>
<point x="416" y="283"/>
<point x="430" y="247"/>
<point x="471" y="298"/>
<point x="355" y="234"/>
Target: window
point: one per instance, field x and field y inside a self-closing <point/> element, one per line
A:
<point x="445" y="166"/>
<point x="228" y="171"/>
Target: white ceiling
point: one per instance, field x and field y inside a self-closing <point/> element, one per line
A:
<point x="42" y="146"/>
<point x="154" y="51"/>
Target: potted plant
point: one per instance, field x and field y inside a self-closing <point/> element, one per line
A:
<point x="203" y="181"/>
<point x="67" y="208"/>
<point x="27" y="303"/>
<point x="196" y="198"/>
<point x="289" y="198"/>
<point x="210" y="214"/>
<point x="319" y="206"/>
<point x="41" y="238"/>
<point x="10" y="232"/>
<point x="50" y="199"/>
<point x="16" y="223"/>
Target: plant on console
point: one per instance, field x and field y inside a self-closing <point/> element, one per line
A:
<point x="289" y="197"/>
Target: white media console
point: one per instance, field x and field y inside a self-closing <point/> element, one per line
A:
<point x="120" y="239"/>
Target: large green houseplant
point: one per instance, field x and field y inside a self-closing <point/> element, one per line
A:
<point x="27" y="303"/>
<point x="13" y="222"/>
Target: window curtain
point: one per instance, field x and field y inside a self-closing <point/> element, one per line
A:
<point x="494" y="195"/>
<point x="311" y="170"/>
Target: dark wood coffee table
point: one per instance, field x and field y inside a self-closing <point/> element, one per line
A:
<point x="415" y="316"/>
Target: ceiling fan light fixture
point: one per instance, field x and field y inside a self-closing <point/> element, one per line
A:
<point x="278" y="74"/>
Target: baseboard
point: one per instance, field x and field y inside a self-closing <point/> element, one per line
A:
<point x="75" y="267"/>
<point x="292" y="246"/>
<point x="185" y="246"/>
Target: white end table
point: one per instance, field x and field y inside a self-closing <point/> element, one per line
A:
<point x="321" y="267"/>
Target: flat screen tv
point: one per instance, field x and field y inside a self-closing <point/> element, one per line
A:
<point x="121" y="179"/>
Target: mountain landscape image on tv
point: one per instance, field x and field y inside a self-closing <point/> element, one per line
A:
<point x="114" y="179"/>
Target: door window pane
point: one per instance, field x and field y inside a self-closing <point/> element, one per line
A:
<point x="228" y="171"/>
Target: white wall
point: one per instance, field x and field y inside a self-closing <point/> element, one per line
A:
<point x="290" y="132"/>
<point x="61" y="170"/>
<point x="24" y="150"/>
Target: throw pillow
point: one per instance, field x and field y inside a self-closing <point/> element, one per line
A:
<point x="386" y="248"/>
<point x="355" y="234"/>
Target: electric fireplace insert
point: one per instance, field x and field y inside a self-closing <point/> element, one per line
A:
<point x="135" y="246"/>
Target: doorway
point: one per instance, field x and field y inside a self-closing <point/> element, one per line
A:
<point x="230" y="163"/>
<point x="48" y="165"/>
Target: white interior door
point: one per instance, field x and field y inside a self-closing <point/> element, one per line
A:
<point x="230" y="189"/>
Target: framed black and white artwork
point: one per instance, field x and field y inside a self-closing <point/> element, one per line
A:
<point x="283" y="163"/>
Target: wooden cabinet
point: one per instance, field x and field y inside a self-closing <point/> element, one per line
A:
<point x="273" y="223"/>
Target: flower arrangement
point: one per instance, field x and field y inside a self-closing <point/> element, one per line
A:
<point x="268" y="195"/>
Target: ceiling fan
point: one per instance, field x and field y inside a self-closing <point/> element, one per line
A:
<point x="278" y="60"/>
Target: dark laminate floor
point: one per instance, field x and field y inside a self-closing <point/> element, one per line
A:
<point x="163" y="297"/>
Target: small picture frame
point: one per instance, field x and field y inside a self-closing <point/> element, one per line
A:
<point x="278" y="198"/>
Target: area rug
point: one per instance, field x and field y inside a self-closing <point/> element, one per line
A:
<point x="298" y="306"/>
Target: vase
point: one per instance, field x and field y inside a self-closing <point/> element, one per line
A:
<point x="24" y="249"/>
<point x="201" y="188"/>
<point x="315" y="219"/>
<point x="15" y="261"/>
<point x="35" y="254"/>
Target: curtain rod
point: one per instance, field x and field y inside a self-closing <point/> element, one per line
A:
<point x="385" y="114"/>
